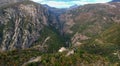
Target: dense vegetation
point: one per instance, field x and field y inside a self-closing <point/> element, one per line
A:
<point x="81" y="57"/>
<point x="54" y="42"/>
<point x="17" y="57"/>
<point x="106" y="44"/>
<point x="98" y="51"/>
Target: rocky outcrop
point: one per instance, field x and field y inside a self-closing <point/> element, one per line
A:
<point x="33" y="60"/>
<point x="21" y="25"/>
<point x="62" y="49"/>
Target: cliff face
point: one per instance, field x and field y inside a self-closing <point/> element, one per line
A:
<point x="22" y="24"/>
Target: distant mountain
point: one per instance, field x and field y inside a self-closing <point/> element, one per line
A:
<point x="57" y="11"/>
<point x="115" y="1"/>
<point x="74" y="6"/>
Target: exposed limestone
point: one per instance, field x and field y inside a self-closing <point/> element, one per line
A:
<point x="77" y="44"/>
<point x="117" y="54"/>
<point x="77" y="37"/>
<point x="71" y="52"/>
<point x="22" y="25"/>
<point x="62" y="49"/>
<point x="45" y="40"/>
<point x="37" y="59"/>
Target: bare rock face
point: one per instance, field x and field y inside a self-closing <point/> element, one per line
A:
<point x="26" y="24"/>
<point x="21" y="25"/>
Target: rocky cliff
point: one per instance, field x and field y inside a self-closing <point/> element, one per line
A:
<point x="22" y="25"/>
<point x="19" y="22"/>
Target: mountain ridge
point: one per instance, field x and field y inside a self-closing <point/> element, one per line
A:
<point x="115" y="1"/>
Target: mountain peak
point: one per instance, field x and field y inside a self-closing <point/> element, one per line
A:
<point x="115" y="1"/>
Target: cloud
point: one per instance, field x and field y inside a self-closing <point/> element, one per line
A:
<point x="38" y="0"/>
<point x="57" y="4"/>
<point x="68" y="3"/>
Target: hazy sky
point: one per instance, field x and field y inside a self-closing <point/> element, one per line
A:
<point x="68" y="3"/>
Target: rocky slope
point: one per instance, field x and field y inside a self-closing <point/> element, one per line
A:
<point x="106" y="44"/>
<point x="25" y="24"/>
<point x="88" y="21"/>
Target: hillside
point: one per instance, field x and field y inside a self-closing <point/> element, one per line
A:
<point x="26" y="24"/>
<point x="90" y="20"/>
<point x="106" y="44"/>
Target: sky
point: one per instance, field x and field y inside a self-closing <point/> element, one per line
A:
<point x="68" y="3"/>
